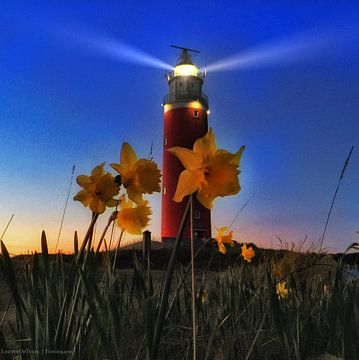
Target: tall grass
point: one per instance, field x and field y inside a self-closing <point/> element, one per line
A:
<point x="90" y="310"/>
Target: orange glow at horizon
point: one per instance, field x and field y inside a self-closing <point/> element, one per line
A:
<point x="23" y="239"/>
<point x="24" y="232"/>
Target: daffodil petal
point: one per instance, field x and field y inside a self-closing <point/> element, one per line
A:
<point x="98" y="170"/>
<point x="205" y="200"/>
<point x="84" y="197"/>
<point x="126" y="204"/>
<point x="206" y="144"/>
<point x="238" y="155"/>
<point x="221" y="248"/>
<point x="222" y="230"/>
<point x="281" y="289"/>
<point x="117" y="167"/>
<point x="189" y="159"/>
<point x="83" y="180"/>
<point x="128" y="155"/>
<point x="134" y="195"/>
<point x="97" y="206"/>
<point x="188" y="183"/>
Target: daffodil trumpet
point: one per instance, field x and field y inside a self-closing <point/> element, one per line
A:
<point x="131" y="218"/>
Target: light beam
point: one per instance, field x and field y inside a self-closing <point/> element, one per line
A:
<point x="294" y="49"/>
<point x="110" y="47"/>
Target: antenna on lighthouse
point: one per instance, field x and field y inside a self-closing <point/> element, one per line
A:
<point x="184" y="49"/>
<point x="185" y="57"/>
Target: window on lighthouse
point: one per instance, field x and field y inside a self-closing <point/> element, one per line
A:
<point x="195" y="114"/>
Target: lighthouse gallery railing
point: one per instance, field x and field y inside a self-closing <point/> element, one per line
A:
<point x="185" y="95"/>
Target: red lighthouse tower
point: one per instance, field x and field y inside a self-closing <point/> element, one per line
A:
<point x="185" y="121"/>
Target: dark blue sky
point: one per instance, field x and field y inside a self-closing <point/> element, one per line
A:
<point x="62" y="104"/>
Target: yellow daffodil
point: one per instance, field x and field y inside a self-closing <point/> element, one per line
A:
<point x="326" y="290"/>
<point x="209" y="171"/>
<point x="247" y="253"/>
<point x="224" y="236"/>
<point x="138" y="176"/>
<point x="99" y="190"/>
<point x="133" y="219"/>
<point x="282" y="290"/>
<point x="202" y="295"/>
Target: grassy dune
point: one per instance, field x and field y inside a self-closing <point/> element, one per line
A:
<point x="87" y="308"/>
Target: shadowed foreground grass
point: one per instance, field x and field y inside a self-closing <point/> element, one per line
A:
<point x="79" y="309"/>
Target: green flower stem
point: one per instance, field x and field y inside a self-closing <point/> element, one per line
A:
<point x="88" y="236"/>
<point x="110" y="221"/>
<point x="153" y="351"/>
<point x="185" y="275"/>
<point x="117" y="249"/>
<point x="193" y="278"/>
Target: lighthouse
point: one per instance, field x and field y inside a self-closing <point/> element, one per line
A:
<point x="185" y="121"/>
